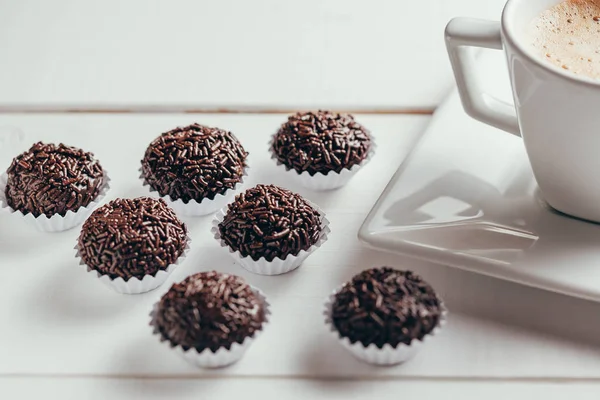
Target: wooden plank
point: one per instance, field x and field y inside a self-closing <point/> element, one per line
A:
<point x="267" y="389"/>
<point x="234" y="54"/>
<point x="60" y="321"/>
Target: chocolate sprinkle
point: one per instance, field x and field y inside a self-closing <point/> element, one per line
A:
<point x="132" y="238"/>
<point x="385" y="305"/>
<point x="209" y="310"/>
<point x="319" y="142"/>
<point x="194" y="162"/>
<point x="49" y="179"/>
<point x="268" y="221"/>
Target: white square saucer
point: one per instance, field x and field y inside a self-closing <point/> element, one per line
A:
<point x="466" y="197"/>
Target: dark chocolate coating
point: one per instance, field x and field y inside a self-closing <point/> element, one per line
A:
<point x="320" y="142"/>
<point x="209" y="310"/>
<point x="132" y="238"/>
<point x="49" y="179"/>
<point x="386" y="306"/>
<point x="268" y="221"/>
<point x="194" y="162"/>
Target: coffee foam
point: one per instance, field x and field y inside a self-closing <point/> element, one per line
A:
<point x="568" y="36"/>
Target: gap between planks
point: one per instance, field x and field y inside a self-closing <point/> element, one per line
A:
<point x="353" y="378"/>
<point x="35" y="109"/>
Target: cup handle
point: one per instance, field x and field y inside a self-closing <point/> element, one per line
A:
<point x="463" y="32"/>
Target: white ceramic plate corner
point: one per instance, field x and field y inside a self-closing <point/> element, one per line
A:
<point x="466" y="197"/>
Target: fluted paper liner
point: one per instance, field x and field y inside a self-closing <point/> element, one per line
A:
<point x="372" y="354"/>
<point x="135" y="285"/>
<point x="56" y="223"/>
<point x="204" y="207"/>
<point x="278" y="266"/>
<point x="319" y="181"/>
<point x="222" y="357"/>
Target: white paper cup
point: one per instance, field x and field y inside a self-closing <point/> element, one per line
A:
<point x="135" y="285"/>
<point x="372" y="354"/>
<point x="206" y="206"/>
<point x="222" y="357"/>
<point x="278" y="266"/>
<point x="55" y="223"/>
<point x="319" y="181"/>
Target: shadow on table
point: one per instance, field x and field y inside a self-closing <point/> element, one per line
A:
<point x="524" y="307"/>
<point x="17" y="237"/>
<point x="69" y="294"/>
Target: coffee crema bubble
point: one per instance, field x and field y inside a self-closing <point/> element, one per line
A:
<point x="568" y="36"/>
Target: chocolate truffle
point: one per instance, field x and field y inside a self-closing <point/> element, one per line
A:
<point x="320" y="142"/>
<point x="386" y="306"/>
<point x="209" y="310"/>
<point x="268" y="221"/>
<point x="194" y="162"/>
<point x="49" y="179"/>
<point x="129" y="238"/>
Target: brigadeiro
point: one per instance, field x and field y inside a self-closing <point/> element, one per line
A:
<point x="270" y="230"/>
<point x="133" y="244"/>
<point x="322" y="149"/>
<point x="55" y="187"/>
<point x="195" y="168"/>
<point x="210" y="318"/>
<point x="383" y="315"/>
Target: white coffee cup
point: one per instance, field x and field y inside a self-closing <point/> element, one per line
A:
<point x="556" y="112"/>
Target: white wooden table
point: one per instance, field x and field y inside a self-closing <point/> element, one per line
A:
<point x="503" y="340"/>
